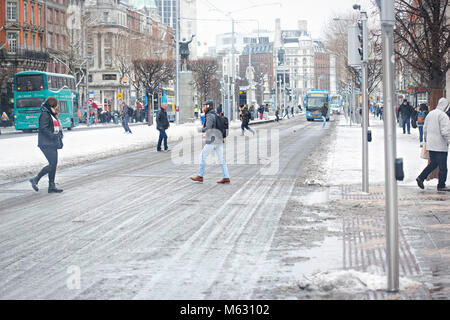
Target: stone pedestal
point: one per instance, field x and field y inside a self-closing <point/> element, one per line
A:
<point x="186" y="102"/>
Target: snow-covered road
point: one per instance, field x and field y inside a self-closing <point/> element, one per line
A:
<point x="136" y="227"/>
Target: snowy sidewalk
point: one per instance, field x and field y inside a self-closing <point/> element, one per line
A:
<point x="424" y="220"/>
<point x="20" y="155"/>
<point x="346" y="162"/>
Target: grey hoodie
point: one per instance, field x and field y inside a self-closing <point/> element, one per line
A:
<point x="437" y="128"/>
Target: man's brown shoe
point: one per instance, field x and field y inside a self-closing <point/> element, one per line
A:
<point x="224" y="181"/>
<point x="197" y="179"/>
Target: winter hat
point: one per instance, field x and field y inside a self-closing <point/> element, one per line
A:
<point x="443" y="105"/>
<point x="405" y="100"/>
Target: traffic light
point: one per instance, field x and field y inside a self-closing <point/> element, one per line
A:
<point x="354" y="59"/>
<point x="361" y="40"/>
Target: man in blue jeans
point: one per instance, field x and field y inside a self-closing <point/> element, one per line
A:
<point x="126" y="118"/>
<point x="405" y="111"/>
<point x="162" y="124"/>
<point x="214" y="141"/>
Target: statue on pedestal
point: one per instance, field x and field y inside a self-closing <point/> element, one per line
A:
<point x="184" y="52"/>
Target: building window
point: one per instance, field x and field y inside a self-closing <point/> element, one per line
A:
<point x="25" y="39"/>
<point x="110" y="77"/>
<point x="12" y="42"/>
<point x="32" y="14"/>
<point x="105" y="16"/>
<point x="11" y="11"/>
<point x="25" y="12"/>
<point x="33" y="39"/>
<point x="39" y="16"/>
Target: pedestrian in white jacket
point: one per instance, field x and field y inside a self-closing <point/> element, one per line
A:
<point x="436" y="132"/>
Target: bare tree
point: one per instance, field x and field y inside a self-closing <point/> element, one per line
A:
<point x="152" y="74"/>
<point x="423" y="42"/>
<point x="206" y="79"/>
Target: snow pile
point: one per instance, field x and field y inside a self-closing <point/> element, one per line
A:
<point x="314" y="182"/>
<point x="350" y="281"/>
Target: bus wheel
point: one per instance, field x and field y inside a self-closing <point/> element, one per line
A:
<point x="27" y="130"/>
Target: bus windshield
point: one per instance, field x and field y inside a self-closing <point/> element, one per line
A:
<point x="29" y="103"/>
<point x="315" y="103"/>
<point x="335" y="100"/>
<point x="34" y="82"/>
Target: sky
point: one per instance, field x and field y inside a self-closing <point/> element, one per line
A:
<point x="316" y="12"/>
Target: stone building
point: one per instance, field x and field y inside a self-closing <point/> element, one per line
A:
<point x="120" y="32"/>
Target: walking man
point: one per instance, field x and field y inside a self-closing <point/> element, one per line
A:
<point x="126" y="118"/>
<point x="436" y="132"/>
<point x="162" y="124"/>
<point x="324" y="114"/>
<point x="214" y="141"/>
<point x="277" y="114"/>
<point x="245" y="121"/>
<point x="49" y="141"/>
<point x="405" y="111"/>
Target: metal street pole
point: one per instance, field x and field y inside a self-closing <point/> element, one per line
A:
<point x="233" y="65"/>
<point x="365" y="111"/>
<point x="250" y="84"/>
<point x="177" y="66"/>
<point x="276" y="94"/>
<point x="390" y="147"/>
<point x="87" y="64"/>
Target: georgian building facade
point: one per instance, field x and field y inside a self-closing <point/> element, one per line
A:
<point x="118" y="33"/>
<point x="29" y="31"/>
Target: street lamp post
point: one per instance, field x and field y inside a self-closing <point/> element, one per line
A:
<point x="233" y="72"/>
<point x="177" y="52"/>
<point x="233" y="80"/>
<point x="390" y="148"/>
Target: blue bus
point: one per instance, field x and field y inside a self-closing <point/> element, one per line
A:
<point x="32" y="88"/>
<point x="313" y="103"/>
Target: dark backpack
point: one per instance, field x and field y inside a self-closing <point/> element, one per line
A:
<point x="130" y="112"/>
<point x="222" y="125"/>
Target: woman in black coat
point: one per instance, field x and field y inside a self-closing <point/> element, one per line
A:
<point x="49" y="141"/>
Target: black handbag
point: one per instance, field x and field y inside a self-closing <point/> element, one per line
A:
<point x="59" y="141"/>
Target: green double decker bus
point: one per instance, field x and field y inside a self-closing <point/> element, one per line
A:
<point x="32" y="88"/>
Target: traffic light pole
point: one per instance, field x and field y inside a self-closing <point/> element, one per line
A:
<point x="390" y="147"/>
<point x="365" y="112"/>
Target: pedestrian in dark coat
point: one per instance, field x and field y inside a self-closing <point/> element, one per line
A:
<point x="245" y="121"/>
<point x="405" y="111"/>
<point x="162" y="124"/>
<point x="324" y="114"/>
<point x="49" y="141"/>
<point x="126" y="118"/>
